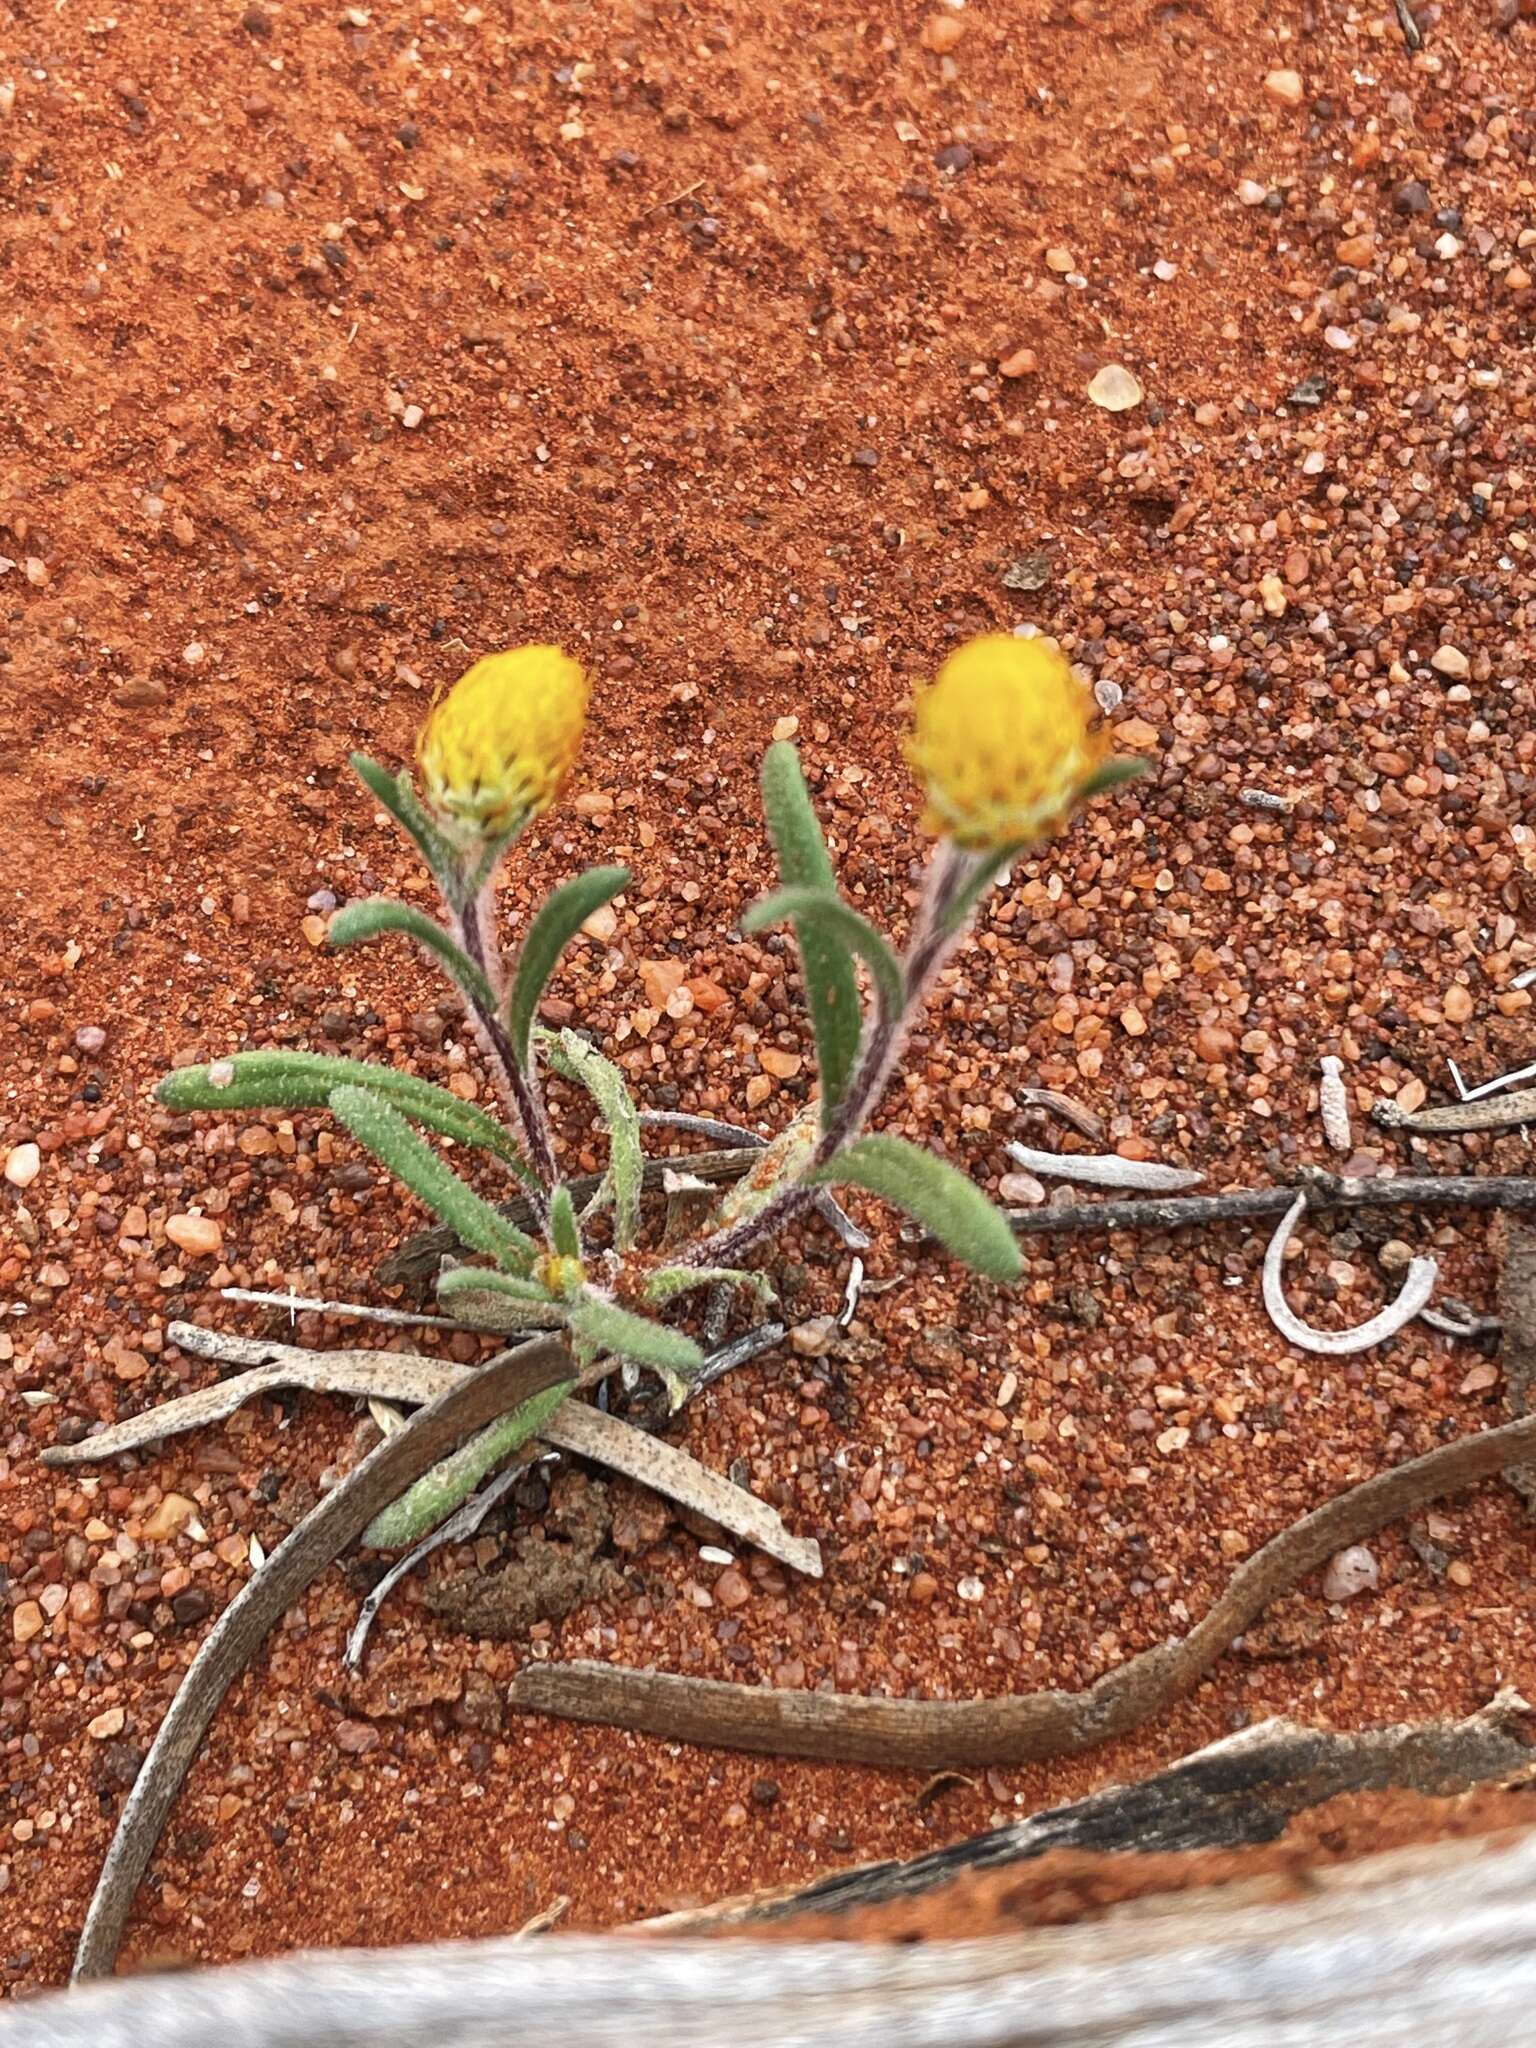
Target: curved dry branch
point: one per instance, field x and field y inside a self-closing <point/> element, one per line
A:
<point x="944" y="1734"/>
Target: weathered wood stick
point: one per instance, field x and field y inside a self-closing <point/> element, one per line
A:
<point x="1323" y="1191"/>
<point x="1449" y="1119"/>
<point x="403" y="1376"/>
<point x="1436" y="1950"/>
<point x="505" y="1383"/>
<point x="951" y="1734"/>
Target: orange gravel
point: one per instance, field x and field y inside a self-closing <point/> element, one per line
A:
<point x="748" y="357"/>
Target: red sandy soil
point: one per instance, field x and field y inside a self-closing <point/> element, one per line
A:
<point x="743" y="354"/>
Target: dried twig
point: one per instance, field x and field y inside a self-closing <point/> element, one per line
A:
<point x="1333" y="1102"/>
<point x="343" y="1311"/>
<point x="961" y="1734"/>
<point x="1322" y="1190"/>
<point x="1418" y="1286"/>
<point x="1449" y="1119"/>
<point x="1106" y="1170"/>
<point x="458" y="1528"/>
<point x="1082" y="1119"/>
<point x="702" y="1127"/>
<point x="399" y="1376"/>
<point x="341" y="1517"/>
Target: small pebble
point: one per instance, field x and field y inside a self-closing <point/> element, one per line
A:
<point x="90" y="1039"/>
<point x="1115" y="389"/>
<point x="1350" y="1572"/>
<point x="1286" y="87"/>
<point x="23" y="1163"/>
<point x="198" y="1236"/>
<point x="815" y="1338"/>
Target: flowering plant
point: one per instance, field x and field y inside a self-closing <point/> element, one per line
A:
<point x="1005" y="744"/>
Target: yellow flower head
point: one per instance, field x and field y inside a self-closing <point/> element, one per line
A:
<point x="1002" y="742"/>
<point x="559" y="1274"/>
<point x="495" y="751"/>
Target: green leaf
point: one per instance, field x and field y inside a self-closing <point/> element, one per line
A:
<point x="1112" y="774"/>
<point x="561" y="915"/>
<point x="498" y="1301"/>
<point x="614" y="1329"/>
<point x="390" y="1138"/>
<point x="830" y="917"/>
<point x="380" y="914"/>
<point x="985" y="872"/>
<point x="941" y="1199"/>
<point x="666" y="1283"/>
<point x="804" y="863"/>
<point x="397" y="796"/>
<point x="577" y="1061"/>
<point x="564" y="1232"/>
<point x="305" y="1080"/>
<point x="438" y="1492"/>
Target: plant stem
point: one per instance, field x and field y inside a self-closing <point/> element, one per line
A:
<point x="929" y="946"/>
<point x="518" y="1087"/>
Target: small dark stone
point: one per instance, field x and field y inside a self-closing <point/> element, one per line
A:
<point x="865" y="458"/>
<point x="954" y="157"/>
<point x="190" y="1606"/>
<point x="1411" y="197"/>
<point x="407" y="135"/>
<point x="765" y="1791"/>
<point x="255" y="22"/>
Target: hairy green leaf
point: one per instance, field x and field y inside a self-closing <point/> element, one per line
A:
<point x="380" y="914"/>
<point x="984" y="873"/>
<point x="390" y="1138"/>
<point x="564" y="1232"/>
<point x="561" y="915"/>
<point x="804" y="863"/>
<point x="305" y="1080"/>
<point x="829" y="915"/>
<point x="666" y="1283"/>
<point x="614" y="1329"/>
<point x="1113" y="773"/>
<point x="577" y="1061"/>
<point x="497" y="1301"/>
<point x="398" y="797"/>
<point x="940" y="1198"/>
<point x="437" y="1493"/>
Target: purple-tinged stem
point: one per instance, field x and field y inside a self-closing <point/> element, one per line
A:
<point x="517" y="1086"/>
<point x="929" y="946"/>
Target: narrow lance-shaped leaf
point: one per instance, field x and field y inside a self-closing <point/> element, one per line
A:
<point x="577" y="1061"/>
<point x="306" y="1080"/>
<point x="804" y="863"/>
<point x="397" y="796"/>
<point x="564" y="1232"/>
<point x="1114" y="774"/>
<point x="935" y="1194"/>
<point x="560" y="916"/>
<point x="438" y="1492"/>
<point x="666" y="1283"/>
<point x="497" y="1301"/>
<point x="1111" y="774"/>
<point x="361" y="921"/>
<point x="390" y="1138"/>
<point x="615" y="1329"/>
<point x="830" y="916"/>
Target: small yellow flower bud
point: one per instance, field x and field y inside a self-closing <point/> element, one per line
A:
<point x="559" y="1274"/>
<point x="1002" y="742"/>
<point x="495" y="751"/>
